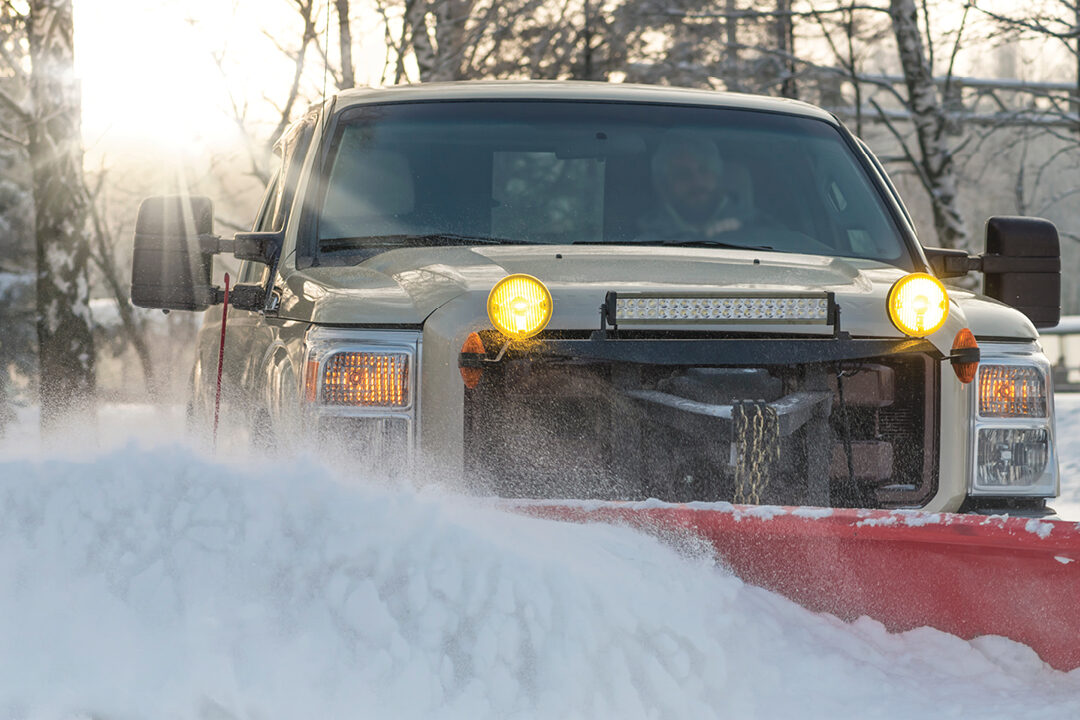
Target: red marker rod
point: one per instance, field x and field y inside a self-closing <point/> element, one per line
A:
<point x="221" y="358"/>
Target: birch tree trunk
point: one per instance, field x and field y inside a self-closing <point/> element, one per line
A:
<point x="732" y="79"/>
<point x="443" y="59"/>
<point x="65" y="343"/>
<point x="1076" y="52"/>
<point x="416" y="13"/>
<point x="451" y="33"/>
<point x="785" y="44"/>
<point x="348" y="77"/>
<point x="928" y="116"/>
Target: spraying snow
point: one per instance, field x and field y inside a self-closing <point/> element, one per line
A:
<point x="149" y="580"/>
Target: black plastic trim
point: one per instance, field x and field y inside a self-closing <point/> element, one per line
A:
<point x="727" y="352"/>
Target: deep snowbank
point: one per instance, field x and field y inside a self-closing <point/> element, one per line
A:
<point x="153" y="582"/>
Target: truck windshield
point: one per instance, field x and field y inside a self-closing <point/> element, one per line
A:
<point x="531" y="172"/>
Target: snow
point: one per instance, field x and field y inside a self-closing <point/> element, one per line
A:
<point x="883" y="521"/>
<point x="916" y="518"/>
<point x="813" y="513"/>
<point x="140" y="577"/>
<point x="1067" y="407"/>
<point x="1042" y="529"/>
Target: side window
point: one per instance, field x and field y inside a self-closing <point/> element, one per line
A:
<point x="265" y="221"/>
<point x="279" y="193"/>
<point x="251" y="272"/>
<point x="850" y="203"/>
<point x="294" y="147"/>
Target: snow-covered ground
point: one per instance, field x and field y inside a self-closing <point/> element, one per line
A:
<point x="142" y="578"/>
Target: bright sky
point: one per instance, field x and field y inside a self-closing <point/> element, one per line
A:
<point x="148" y="72"/>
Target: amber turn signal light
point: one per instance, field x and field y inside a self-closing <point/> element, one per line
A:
<point x="376" y="379"/>
<point x="965" y="356"/>
<point x="473" y="349"/>
<point x="311" y="381"/>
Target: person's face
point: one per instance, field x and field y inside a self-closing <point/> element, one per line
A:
<point x="692" y="186"/>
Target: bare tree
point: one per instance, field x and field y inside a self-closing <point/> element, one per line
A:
<point x="923" y="101"/>
<point x="348" y="76"/>
<point x="308" y="14"/>
<point x="935" y="160"/>
<point x="65" y="342"/>
<point x="471" y="39"/>
<point x="1057" y="21"/>
<point x="258" y="142"/>
<point x="104" y="256"/>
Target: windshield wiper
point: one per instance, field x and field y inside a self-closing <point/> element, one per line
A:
<point x="408" y="240"/>
<point x="679" y="243"/>
<point x="714" y="243"/>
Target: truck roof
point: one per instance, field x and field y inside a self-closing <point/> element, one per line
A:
<point x="577" y="90"/>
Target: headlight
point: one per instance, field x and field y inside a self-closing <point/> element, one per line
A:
<point x="1011" y="457"/>
<point x="519" y="306"/>
<point x="361" y="387"/>
<point x="1014" y="424"/>
<point x="918" y="304"/>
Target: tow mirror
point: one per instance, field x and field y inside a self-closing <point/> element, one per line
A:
<point x="1022" y="267"/>
<point x="173" y="254"/>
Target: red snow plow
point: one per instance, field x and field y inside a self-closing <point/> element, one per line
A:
<point x="969" y="575"/>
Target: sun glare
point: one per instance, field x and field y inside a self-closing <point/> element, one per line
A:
<point x="146" y="75"/>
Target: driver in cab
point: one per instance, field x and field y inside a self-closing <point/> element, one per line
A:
<point x="698" y="196"/>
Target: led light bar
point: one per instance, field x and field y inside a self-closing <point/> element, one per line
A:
<point x="812" y="309"/>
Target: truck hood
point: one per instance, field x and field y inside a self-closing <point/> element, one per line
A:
<point x="403" y="287"/>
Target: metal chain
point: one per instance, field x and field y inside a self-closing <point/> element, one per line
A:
<point x="757" y="439"/>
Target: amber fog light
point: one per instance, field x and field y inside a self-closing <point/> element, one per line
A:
<point x="519" y="306"/>
<point x="918" y="304"/>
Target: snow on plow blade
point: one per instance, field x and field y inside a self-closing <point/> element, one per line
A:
<point x="968" y="575"/>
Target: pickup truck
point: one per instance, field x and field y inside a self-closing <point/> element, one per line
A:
<point x="616" y="292"/>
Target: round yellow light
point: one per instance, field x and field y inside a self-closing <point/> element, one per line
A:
<point x="519" y="306"/>
<point x="918" y="304"/>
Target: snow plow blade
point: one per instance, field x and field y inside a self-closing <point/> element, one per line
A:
<point x="969" y="575"/>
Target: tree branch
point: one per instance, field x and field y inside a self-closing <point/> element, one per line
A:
<point x="22" y="113"/>
<point x="915" y="164"/>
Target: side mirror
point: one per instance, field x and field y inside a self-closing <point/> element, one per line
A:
<point x="173" y="254"/>
<point x="1022" y="267"/>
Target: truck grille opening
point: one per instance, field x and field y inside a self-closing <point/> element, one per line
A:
<point x="852" y="434"/>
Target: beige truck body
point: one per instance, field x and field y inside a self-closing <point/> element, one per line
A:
<point x="427" y="301"/>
